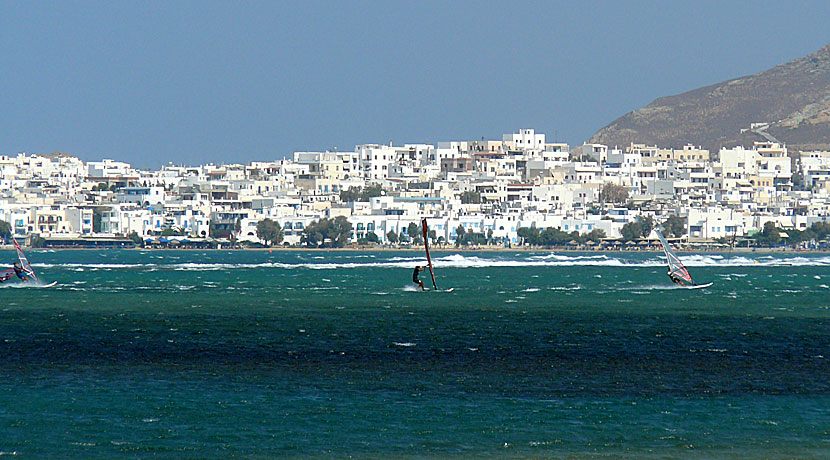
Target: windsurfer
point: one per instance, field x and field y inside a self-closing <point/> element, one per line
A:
<point x="418" y="269"/>
<point x="676" y="280"/>
<point x="20" y="272"/>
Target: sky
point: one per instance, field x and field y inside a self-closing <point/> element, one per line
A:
<point x="192" y="82"/>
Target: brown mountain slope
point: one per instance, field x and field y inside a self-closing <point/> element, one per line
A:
<point x="794" y="98"/>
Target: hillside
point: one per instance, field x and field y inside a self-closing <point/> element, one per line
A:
<point x="793" y="98"/>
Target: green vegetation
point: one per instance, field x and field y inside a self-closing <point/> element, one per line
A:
<point x="327" y="233"/>
<point x="5" y="229"/>
<point x="470" y="197"/>
<point x="551" y="236"/>
<point x="816" y="232"/>
<point x="269" y="231"/>
<point x="392" y="236"/>
<point x="36" y="241"/>
<point x="137" y="239"/>
<point x="640" y="228"/>
<point x="360" y="193"/>
<point x="675" y="226"/>
<point x="413" y="230"/>
<point x="97" y="216"/>
<point x="370" y="238"/>
<point x="171" y="232"/>
<point x="769" y="236"/>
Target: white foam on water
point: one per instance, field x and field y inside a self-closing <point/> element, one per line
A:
<point x="472" y="261"/>
<point x="652" y="287"/>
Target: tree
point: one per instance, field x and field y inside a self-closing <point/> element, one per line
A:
<point x="529" y="235"/>
<point x="675" y="226"/>
<point x="371" y="192"/>
<point x="137" y="239"/>
<point x="461" y="235"/>
<point x="361" y="194"/>
<point x="392" y="236"/>
<point x="216" y="232"/>
<point x="350" y="195"/>
<point x="5" y="229"/>
<point x="269" y="231"/>
<point x="596" y="235"/>
<point x="97" y="217"/>
<point x="631" y="231"/>
<point x="36" y="241"/>
<point x="647" y="223"/>
<point x="237" y="229"/>
<point x="341" y="232"/>
<point x="613" y="193"/>
<point x="769" y="236"/>
<point x="327" y="232"/>
<point x="413" y="230"/>
<point x="640" y="228"/>
<point x="371" y="237"/>
<point x="798" y="181"/>
<point x="469" y="197"/>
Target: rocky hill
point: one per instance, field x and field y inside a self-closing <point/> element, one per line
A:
<point x="792" y="98"/>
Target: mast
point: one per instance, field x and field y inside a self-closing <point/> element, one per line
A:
<point x="426" y="248"/>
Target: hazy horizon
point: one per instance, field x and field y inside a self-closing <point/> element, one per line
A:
<point x="193" y="82"/>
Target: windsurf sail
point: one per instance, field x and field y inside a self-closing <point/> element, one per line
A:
<point x="6" y="275"/>
<point x="676" y="268"/>
<point x="426" y="248"/>
<point x="24" y="262"/>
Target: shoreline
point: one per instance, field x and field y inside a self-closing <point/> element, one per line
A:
<point x="584" y="250"/>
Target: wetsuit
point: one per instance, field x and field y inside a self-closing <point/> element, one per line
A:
<point x="415" y="277"/>
<point x="20" y="272"/>
<point x="677" y="281"/>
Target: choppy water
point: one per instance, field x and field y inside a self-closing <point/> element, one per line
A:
<point x="317" y="355"/>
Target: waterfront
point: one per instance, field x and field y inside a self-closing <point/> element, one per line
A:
<point x="314" y="354"/>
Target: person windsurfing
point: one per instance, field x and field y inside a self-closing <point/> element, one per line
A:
<point x="676" y="280"/>
<point x="20" y="271"/>
<point x="418" y="269"/>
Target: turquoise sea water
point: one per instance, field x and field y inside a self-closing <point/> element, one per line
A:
<point x="315" y="354"/>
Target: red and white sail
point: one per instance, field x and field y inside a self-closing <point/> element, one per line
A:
<point x="24" y="262"/>
<point x="676" y="268"/>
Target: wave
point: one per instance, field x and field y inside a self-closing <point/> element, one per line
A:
<point x="467" y="261"/>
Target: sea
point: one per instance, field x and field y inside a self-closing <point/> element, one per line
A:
<point x="334" y="354"/>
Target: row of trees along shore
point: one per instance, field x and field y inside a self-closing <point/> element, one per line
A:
<point x="336" y="233"/>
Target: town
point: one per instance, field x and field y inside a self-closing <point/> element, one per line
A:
<point x="509" y="192"/>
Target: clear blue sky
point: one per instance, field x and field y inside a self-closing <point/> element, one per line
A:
<point x="195" y="82"/>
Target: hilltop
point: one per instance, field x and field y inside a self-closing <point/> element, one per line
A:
<point x="789" y="102"/>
